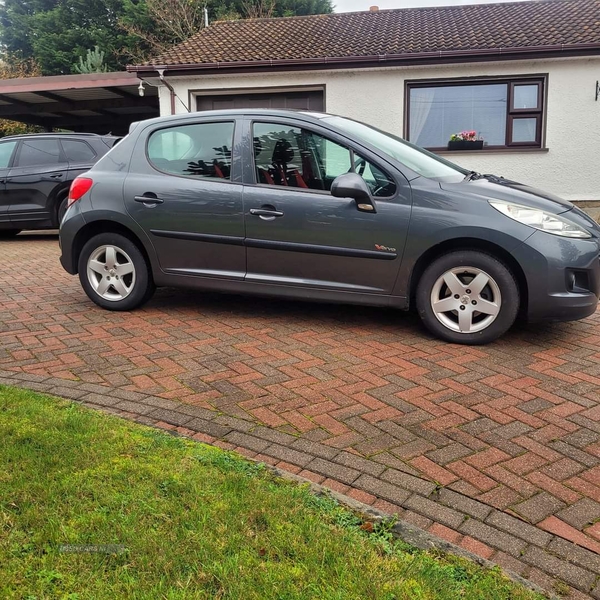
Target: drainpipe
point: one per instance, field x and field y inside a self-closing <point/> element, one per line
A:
<point x="161" y="76"/>
<point x="172" y="94"/>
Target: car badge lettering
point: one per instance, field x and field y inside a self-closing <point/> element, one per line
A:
<point x="384" y="248"/>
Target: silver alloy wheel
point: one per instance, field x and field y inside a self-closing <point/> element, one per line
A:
<point x="466" y="299"/>
<point x="111" y="273"/>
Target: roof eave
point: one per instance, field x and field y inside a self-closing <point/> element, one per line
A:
<point x="410" y="58"/>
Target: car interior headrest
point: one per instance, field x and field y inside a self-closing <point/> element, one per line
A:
<point x="283" y="152"/>
<point x="258" y="147"/>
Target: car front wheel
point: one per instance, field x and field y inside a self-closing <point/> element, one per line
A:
<point x="468" y="297"/>
<point x="114" y="273"/>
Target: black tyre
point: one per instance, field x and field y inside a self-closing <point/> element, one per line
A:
<point x="114" y="273"/>
<point x="61" y="208"/>
<point x="9" y="233"/>
<point x="468" y="297"/>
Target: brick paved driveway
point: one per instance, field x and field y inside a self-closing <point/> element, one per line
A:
<point x="496" y="449"/>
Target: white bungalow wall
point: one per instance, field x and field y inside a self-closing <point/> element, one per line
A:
<point x="568" y="166"/>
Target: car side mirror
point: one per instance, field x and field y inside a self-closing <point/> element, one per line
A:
<point x="352" y="185"/>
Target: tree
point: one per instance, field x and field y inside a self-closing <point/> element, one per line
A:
<point x="158" y="24"/>
<point x="93" y="63"/>
<point x="258" y="9"/>
<point x="56" y="33"/>
<point x="12" y="68"/>
<point x="289" y="8"/>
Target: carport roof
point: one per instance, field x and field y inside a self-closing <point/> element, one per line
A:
<point x="95" y="102"/>
<point x="464" y="33"/>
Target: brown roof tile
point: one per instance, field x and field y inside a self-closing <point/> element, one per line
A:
<point x="392" y="32"/>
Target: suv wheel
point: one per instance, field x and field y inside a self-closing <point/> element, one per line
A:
<point x="114" y="273"/>
<point x="62" y="208"/>
<point x="468" y="297"/>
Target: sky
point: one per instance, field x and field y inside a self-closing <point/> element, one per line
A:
<point x="351" y="5"/>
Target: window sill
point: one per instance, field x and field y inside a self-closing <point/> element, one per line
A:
<point x="493" y="151"/>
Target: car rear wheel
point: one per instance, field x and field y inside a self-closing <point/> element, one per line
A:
<point x="468" y="297"/>
<point x="114" y="273"/>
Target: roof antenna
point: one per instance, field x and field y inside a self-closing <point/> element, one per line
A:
<point x="205" y="16"/>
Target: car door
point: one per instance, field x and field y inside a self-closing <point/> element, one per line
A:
<point x="39" y="168"/>
<point x="298" y="234"/>
<point x="184" y="189"/>
<point x="7" y="150"/>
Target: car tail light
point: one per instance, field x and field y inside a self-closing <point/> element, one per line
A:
<point x="79" y="187"/>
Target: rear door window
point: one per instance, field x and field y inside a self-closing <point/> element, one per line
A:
<point x="78" y="151"/>
<point x="197" y="150"/>
<point x="39" y="153"/>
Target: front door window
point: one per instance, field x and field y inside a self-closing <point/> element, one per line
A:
<point x="299" y="158"/>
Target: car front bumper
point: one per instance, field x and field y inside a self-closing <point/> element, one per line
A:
<point x="562" y="275"/>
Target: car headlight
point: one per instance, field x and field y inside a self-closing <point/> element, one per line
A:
<point x="539" y="219"/>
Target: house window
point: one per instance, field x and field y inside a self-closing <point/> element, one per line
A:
<point x="504" y="113"/>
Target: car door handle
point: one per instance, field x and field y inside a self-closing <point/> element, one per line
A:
<point x="149" y="200"/>
<point x="57" y="175"/>
<point x="265" y="212"/>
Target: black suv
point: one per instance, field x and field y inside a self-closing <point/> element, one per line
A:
<point x="36" y="171"/>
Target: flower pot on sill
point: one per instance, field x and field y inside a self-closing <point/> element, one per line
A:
<point x="465" y="145"/>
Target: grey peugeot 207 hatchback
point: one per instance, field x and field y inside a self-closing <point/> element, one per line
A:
<point x="320" y="207"/>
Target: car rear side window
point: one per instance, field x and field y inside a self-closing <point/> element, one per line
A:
<point x="295" y="157"/>
<point x="6" y="151"/>
<point x="39" y="153"/>
<point x="78" y="151"/>
<point x="198" y="150"/>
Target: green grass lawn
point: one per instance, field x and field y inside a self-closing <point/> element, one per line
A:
<point x="169" y="518"/>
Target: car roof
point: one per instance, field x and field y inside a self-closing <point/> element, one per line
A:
<point x="57" y="134"/>
<point x="306" y="115"/>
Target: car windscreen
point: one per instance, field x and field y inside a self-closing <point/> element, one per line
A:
<point x="417" y="159"/>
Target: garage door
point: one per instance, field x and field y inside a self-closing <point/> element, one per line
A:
<point x="306" y="100"/>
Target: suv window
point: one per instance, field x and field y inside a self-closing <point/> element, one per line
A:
<point x="78" y="151"/>
<point x="295" y="157"/>
<point x="39" y="153"/>
<point x="6" y="151"/>
<point x="199" y="150"/>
